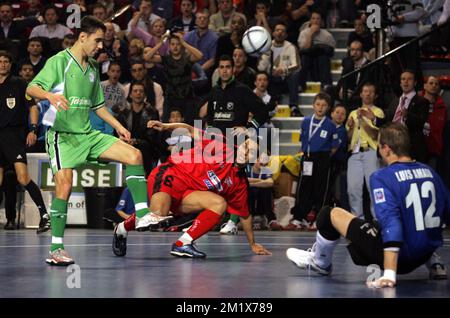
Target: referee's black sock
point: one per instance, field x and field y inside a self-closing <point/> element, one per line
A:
<point x="36" y="196"/>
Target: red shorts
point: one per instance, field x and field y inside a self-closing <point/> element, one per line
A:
<point x="164" y="179"/>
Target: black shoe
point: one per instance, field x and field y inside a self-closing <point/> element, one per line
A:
<point x="10" y="225"/>
<point x="119" y="245"/>
<point x="44" y="224"/>
<point x="187" y="250"/>
<point x="295" y="112"/>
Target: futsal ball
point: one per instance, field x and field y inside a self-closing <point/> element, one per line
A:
<point x="256" y="41"/>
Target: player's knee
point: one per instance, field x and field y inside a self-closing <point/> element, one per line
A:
<point x="218" y="205"/>
<point x="136" y="157"/>
<point x="325" y="225"/>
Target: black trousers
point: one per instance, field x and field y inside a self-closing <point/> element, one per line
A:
<point x="261" y="202"/>
<point x="10" y="189"/>
<point x="312" y="191"/>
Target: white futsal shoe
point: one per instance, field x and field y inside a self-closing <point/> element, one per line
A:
<point x="305" y="260"/>
<point x="151" y="220"/>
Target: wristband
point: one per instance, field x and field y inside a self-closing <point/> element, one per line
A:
<point x="389" y="274"/>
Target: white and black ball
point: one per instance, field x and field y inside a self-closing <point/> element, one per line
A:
<point x="256" y="41"/>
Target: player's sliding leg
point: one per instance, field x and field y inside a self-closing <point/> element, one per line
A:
<point x="212" y="206"/>
<point x="331" y="224"/>
<point x="160" y="202"/>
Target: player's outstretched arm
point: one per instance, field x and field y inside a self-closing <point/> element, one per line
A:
<point x="247" y="225"/>
<point x="157" y="125"/>
<point x="390" y="269"/>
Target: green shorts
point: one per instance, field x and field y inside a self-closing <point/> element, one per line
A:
<point x="68" y="150"/>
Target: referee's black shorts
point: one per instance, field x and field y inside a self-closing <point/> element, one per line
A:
<point x="12" y="145"/>
<point x="366" y="247"/>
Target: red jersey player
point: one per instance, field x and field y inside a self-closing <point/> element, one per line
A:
<point x="204" y="178"/>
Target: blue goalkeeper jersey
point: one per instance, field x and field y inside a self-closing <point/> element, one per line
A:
<point x="411" y="205"/>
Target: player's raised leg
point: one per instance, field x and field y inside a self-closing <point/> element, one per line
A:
<point x="135" y="177"/>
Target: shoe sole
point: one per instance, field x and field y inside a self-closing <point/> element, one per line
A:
<point x="155" y="226"/>
<point x="51" y="262"/>
<point x="179" y="254"/>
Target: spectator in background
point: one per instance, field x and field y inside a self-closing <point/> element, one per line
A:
<point x="146" y="17"/>
<point x="153" y="91"/>
<point x="434" y="128"/>
<point x="262" y="18"/>
<point x="113" y="91"/>
<point x="361" y="34"/>
<point x="243" y="73"/>
<point x="113" y="50"/>
<point x="261" y="85"/>
<point x="282" y="63"/>
<point x="153" y="35"/>
<point x="406" y="27"/>
<point x="413" y="111"/>
<point x="99" y="124"/>
<point x="26" y="71"/>
<point x="220" y="22"/>
<point x="230" y="102"/>
<point x="186" y="21"/>
<point x="68" y="41"/>
<point x="354" y="83"/>
<point x="33" y="9"/>
<point x="11" y="29"/>
<point x="163" y="8"/>
<point x="229" y="41"/>
<point x="100" y="12"/>
<point x="109" y="5"/>
<point x="316" y="49"/>
<point x="363" y="135"/>
<point x="177" y="65"/>
<point x="135" y="50"/>
<point x="135" y="118"/>
<point x="35" y="57"/>
<point x="339" y="160"/>
<point x="51" y="28"/>
<point x="319" y="142"/>
<point x="204" y="40"/>
<point x="125" y="206"/>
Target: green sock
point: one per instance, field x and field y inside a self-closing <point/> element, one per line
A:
<point x="58" y="216"/>
<point x="234" y="218"/>
<point x="137" y="184"/>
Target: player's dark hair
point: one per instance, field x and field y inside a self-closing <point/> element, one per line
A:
<point x="396" y="136"/>
<point x="323" y="96"/>
<point x="90" y="24"/>
<point x="226" y="58"/>
<point x="7" y="55"/>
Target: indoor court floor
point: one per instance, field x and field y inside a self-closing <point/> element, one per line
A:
<point x="229" y="271"/>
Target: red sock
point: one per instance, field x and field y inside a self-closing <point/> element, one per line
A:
<point x="130" y="223"/>
<point x="204" y="222"/>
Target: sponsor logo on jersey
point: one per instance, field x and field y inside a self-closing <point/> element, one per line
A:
<point x="228" y="181"/>
<point x="323" y="134"/>
<point x="378" y="194"/>
<point x="208" y="184"/>
<point x="215" y="180"/>
<point x="122" y="202"/>
<point x="77" y="101"/>
<point x="230" y="105"/>
<point x="223" y="116"/>
<point x="11" y="102"/>
<point x="91" y="77"/>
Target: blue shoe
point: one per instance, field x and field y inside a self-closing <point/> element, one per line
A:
<point x="188" y="250"/>
<point x="119" y="244"/>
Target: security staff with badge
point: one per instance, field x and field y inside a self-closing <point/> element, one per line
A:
<point x="16" y="134"/>
<point x="230" y="102"/>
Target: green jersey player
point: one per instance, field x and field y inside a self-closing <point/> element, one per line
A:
<point x="70" y="82"/>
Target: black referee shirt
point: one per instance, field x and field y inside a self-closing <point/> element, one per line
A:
<point x="14" y="104"/>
